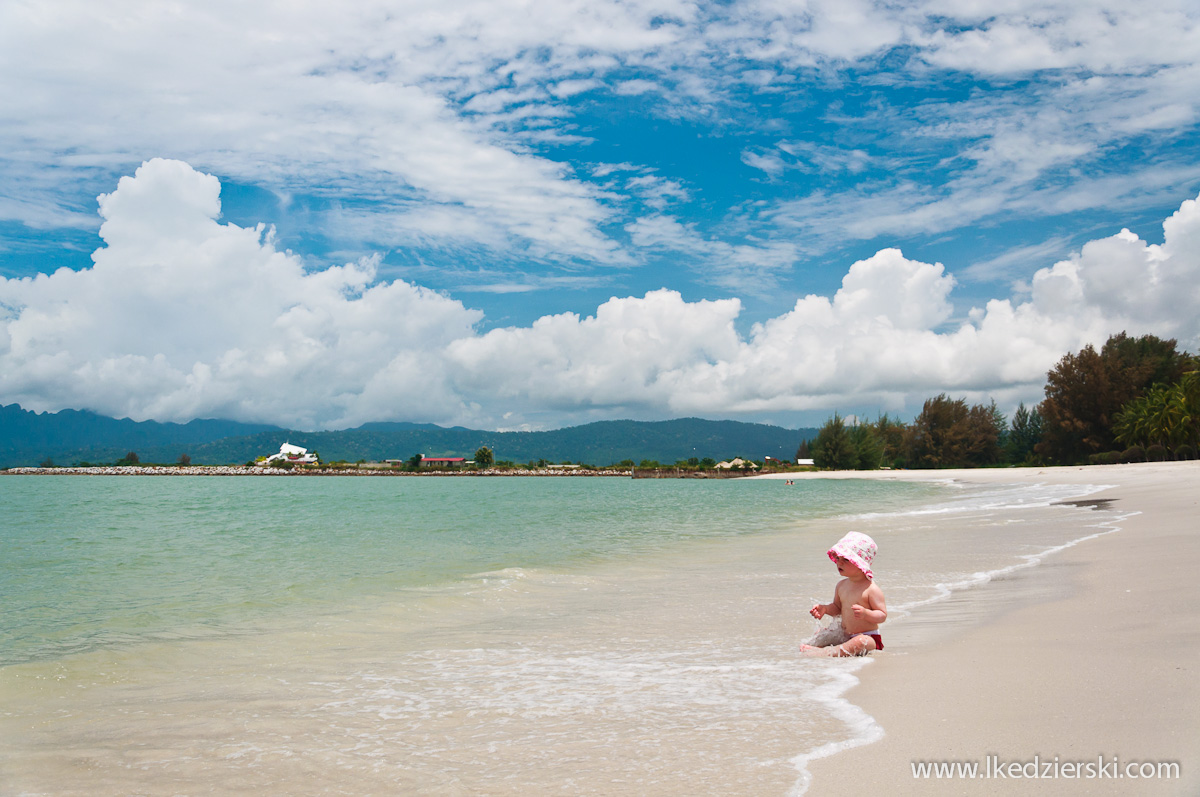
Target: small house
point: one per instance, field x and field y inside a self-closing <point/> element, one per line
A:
<point x="443" y="462"/>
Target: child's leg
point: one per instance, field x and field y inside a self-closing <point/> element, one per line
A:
<point x="856" y="646"/>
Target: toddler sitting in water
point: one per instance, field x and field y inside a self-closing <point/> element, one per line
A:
<point x="857" y="603"/>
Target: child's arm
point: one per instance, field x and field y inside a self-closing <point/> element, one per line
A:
<point x="822" y="609"/>
<point x="876" y="609"/>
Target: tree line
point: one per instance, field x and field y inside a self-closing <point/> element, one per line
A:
<point x="1134" y="399"/>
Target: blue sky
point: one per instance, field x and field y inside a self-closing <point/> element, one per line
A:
<point x="534" y="214"/>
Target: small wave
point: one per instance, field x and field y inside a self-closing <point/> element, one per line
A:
<point x="994" y="498"/>
<point x="507" y="574"/>
<point x="510" y="575"/>
<point x="551" y="698"/>
<point x="863" y="728"/>
<point x="944" y="590"/>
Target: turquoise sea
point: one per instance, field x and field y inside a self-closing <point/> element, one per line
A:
<point x="110" y="560"/>
<point x="453" y="635"/>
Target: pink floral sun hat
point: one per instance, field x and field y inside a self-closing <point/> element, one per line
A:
<point x="858" y="549"/>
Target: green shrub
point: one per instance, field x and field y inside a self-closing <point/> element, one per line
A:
<point x="1134" y="454"/>
<point x="129" y="459"/>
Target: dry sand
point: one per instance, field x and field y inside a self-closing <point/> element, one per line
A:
<point x="1091" y="654"/>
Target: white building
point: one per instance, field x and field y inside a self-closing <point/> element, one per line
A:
<point x="736" y="462"/>
<point x="293" y="454"/>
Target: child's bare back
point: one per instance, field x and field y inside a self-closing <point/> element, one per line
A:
<point x="857" y="600"/>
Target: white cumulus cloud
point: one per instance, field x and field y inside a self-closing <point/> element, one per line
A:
<point x="182" y="316"/>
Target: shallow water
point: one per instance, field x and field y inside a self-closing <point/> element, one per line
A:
<point x="359" y="636"/>
<point x="95" y="561"/>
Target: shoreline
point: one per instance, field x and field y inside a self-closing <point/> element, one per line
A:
<point x="1087" y="657"/>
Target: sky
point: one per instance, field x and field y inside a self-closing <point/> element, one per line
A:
<point x="529" y="214"/>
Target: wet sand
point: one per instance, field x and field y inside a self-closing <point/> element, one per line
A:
<point x="1090" y="656"/>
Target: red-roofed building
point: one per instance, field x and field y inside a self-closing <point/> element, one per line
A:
<point x="443" y="462"/>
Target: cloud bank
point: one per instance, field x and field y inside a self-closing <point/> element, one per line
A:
<point x="181" y="316"/>
<point x="449" y="119"/>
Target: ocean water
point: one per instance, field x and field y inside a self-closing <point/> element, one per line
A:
<point x="459" y="636"/>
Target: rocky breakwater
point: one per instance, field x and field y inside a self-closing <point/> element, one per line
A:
<point x="245" y="470"/>
<point x="150" y="470"/>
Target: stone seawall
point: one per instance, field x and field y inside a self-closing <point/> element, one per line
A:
<point x="243" y="470"/>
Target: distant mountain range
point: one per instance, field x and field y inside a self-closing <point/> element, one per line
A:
<point x="72" y="436"/>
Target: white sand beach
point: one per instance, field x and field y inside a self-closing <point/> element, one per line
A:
<point x="672" y="671"/>
<point x="1091" y="656"/>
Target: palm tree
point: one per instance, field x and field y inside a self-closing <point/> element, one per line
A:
<point x="1166" y="415"/>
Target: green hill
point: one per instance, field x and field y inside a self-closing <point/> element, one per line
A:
<point x="600" y="443"/>
<point x="69" y="436"/>
<point x="72" y="436"/>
